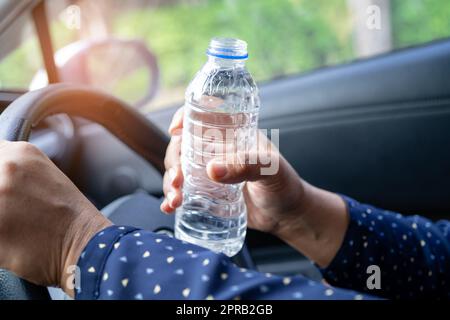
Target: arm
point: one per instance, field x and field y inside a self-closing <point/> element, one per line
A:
<point x="318" y="228"/>
<point x="128" y="263"/>
<point x="45" y="221"/>
<point x="40" y="205"/>
<point x="413" y="254"/>
<point x="344" y="237"/>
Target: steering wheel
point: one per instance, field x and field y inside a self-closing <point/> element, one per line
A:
<point x="129" y="126"/>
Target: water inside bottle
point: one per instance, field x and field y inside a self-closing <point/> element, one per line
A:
<point x="213" y="215"/>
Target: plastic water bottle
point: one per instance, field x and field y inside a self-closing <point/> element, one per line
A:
<point x="220" y="120"/>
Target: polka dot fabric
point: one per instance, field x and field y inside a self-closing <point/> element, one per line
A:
<point x="413" y="254"/>
<point x="128" y="263"/>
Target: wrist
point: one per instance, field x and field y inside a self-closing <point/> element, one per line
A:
<point x="319" y="227"/>
<point x="86" y="224"/>
<point x="296" y="220"/>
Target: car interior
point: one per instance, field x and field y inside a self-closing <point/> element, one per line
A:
<point x="375" y="129"/>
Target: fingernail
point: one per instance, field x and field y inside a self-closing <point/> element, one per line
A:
<point x="220" y="170"/>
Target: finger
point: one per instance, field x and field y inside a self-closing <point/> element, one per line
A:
<point x="174" y="198"/>
<point x="177" y="122"/>
<point x="176" y="177"/>
<point x="173" y="151"/>
<point x="166" y="183"/>
<point x="172" y="182"/>
<point x="166" y="208"/>
<point x="172" y="201"/>
<point x="240" y="169"/>
<point x="173" y="178"/>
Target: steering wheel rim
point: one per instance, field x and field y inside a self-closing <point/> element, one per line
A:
<point x="128" y="125"/>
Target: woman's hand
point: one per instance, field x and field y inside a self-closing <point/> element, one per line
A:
<point x="281" y="203"/>
<point x="45" y="221"/>
<point x="272" y="200"/>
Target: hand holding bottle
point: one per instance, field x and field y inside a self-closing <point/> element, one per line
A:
<point x="310" y="219"/>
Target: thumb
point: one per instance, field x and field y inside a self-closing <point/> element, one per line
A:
<point x="239" y="170"/>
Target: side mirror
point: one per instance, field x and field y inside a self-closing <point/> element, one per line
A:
<point x="123" y="68"/>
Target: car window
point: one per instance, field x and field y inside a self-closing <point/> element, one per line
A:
<point x="285" y="38"/>
<point x="20" y="57"/>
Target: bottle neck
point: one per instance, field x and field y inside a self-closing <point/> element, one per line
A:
<point x="226" y="63"/>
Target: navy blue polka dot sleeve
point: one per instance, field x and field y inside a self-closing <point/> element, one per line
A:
<point x="128" y="263"/>
<point x="412" y="253"/>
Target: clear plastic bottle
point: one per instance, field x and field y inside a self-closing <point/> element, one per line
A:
<point x="220" y="120"/>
